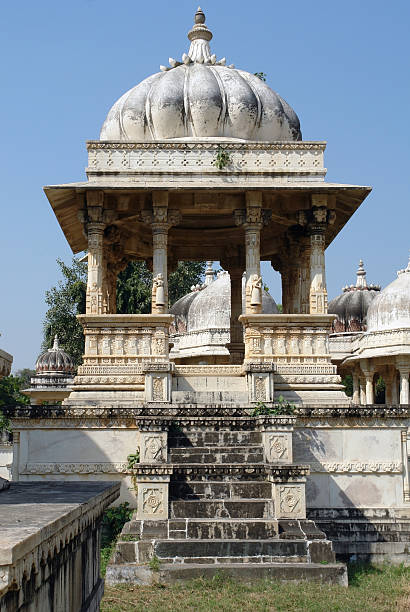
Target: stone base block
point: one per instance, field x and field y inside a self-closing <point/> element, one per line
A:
<point x="332" y="573"/>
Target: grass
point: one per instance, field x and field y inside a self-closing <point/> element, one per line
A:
<point x="371" y="588"/>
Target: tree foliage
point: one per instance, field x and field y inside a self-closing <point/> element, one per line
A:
<point x="67" y="299"/>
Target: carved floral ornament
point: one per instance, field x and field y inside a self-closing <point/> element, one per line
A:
<point x="290" y="499"/>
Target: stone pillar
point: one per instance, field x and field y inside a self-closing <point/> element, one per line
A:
<point x="368" y="372"/>
<point x="251" y="220"/>
<point x="356" y="387"/>
<point x="316" y="220"/>
<point x="161" y="219"/>
<point x="404" y="369"/>
<point x="362" y="391"/>
<point x="95" y="303"/>
<point x="95" y="219"/>
<point x="317" y="291"/>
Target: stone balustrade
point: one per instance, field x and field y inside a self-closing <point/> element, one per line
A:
<point x="302" y="161"/>
<point x="287" y="339"/>
<point x="118" y="346"/>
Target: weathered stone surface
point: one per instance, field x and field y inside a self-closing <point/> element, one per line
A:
<point x="50" y="545"/>
<point x="247" y="572"/>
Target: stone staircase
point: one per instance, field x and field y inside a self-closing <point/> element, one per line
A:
<point x="224" y="512"/>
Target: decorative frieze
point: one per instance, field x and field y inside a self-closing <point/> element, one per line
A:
<point x="354" y="467"/>
<point x="279" y="160"/>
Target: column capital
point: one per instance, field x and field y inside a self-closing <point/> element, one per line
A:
<point x="160" y="218"/>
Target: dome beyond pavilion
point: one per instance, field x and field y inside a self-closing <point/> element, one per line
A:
<point x="352" y="305"/>
<point x="201" y="97"/>
<point x="210" y="307"/>
<point x="55" y="360"/>
<point x="391" y="309"/>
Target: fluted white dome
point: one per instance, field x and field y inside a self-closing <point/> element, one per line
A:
<point x="201" y="97"/>
<point x="391" y="308"/>
<point x="210" y="307"/>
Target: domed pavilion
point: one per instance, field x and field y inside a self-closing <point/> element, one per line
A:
<point x="221" y="456"/>
<point x="383" y="348"/>
<point x="54" y="377"/>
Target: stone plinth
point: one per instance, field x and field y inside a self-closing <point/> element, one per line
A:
<point x="50" y="545"/>
<point x="297" y="346"/>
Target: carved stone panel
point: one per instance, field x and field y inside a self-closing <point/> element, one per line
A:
<point x="290" y="501"/>
<point x="278" y="447"/>
<point x="153" y="447"/>
<point x="157" y="386"/>
<point x="152" y="500"/>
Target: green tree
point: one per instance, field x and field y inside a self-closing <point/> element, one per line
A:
<point x="347" y="381"/>
<point x="10" y="391"/>
<point x="67" y="299"/>
<point x="260" y="75"/>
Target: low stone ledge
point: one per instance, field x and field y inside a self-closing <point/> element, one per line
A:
<point x="51" y="534"/>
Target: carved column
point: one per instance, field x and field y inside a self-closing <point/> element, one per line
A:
<point x="362" y="391"/>
<point x="316" y="220"/>
<point x="251" y="219"/>
<point x="95" y="219"/>
<point x="356" y="387"/>
<point x="403" y="369"/>
<point x="161" y="219"/>
<point x="369" y="375"/>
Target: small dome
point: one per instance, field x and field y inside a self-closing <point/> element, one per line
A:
<point x="351" y="307"/>
<point x="391" y="308"/>
<point x="210" y="306"/>
<point x="55" y="360"/>
<point x="199" y="98"/>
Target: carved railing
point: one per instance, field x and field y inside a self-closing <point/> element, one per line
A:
<point x="118" y="346"/>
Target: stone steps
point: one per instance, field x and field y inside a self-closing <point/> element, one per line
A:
<point x="209" y="551"/>
<point x="217" y="455"/>
<point x="223" y="528"/>
<point x="168" y="573"/>
<point x="244" y="508"/>
<point x="219" y="490"/>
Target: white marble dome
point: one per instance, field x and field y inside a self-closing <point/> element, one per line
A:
<point x="391" y="308"/>
<point x="210" y="307"/>
<point x="201" y="98"/>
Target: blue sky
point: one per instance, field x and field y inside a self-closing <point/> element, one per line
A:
<point x="343" y="67"/>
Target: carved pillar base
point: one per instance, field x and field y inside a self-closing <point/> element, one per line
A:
<point x="260" y="382"/>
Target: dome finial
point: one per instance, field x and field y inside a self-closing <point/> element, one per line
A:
<point x="199" y="16"/>
<point x="199" y="35"/>
<point x="405" y="269"/>
<point x="56" y="345"/>
<point x="209" y="273"/>
<point x="361" y="281"/>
